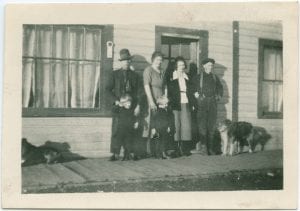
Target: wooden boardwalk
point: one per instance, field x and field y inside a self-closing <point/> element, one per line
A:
<point x="101" y="170"/>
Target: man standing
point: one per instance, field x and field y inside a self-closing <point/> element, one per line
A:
<point x="123" y="81"/>
<point x="207" y="90"/>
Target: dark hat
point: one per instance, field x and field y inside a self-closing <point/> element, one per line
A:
<point x="204" y="61"/>
<point x="125" y="55"/>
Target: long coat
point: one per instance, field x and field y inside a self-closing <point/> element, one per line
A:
<point x="117" y="86"/>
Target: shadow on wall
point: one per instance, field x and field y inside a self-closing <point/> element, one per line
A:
<point x="49" y="153"/>
<point x="220" y="70"/>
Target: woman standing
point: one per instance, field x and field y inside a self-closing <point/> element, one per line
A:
<point x="154" y="85"/>
<point x="181" y="102"/>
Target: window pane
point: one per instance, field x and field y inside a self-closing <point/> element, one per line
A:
<point x="42" y="83"/>
<point x="28" y="40"/>
<point x="76" y="43"/>
<point x="272" y="100"/>
<point x="44" y="41"/>
<point x="59" y="84"/>
<point x="92" y="47"/>
<point x="175" y="50"/>
<point x="27" y="79"/>
<point x="272" y="64"/>
<point x="84" y="81"/>
<point x="279" y="65"/>
<point x="165" y="50"/>
<point x="60" y="42"/>
<point x="185" y="51"/>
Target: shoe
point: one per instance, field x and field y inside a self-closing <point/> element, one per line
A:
<point x="113" y="158"/>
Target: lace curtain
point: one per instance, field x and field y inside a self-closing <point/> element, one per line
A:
<point x="61" y="67"/>
<point x="272" y="93"/>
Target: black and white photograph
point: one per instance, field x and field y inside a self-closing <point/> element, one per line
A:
<point x="182" y="106"/>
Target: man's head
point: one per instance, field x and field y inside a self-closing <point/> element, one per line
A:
<point x="125" y="58"/>
<point x="208" y="65"/>
<point x="126" y="101"/>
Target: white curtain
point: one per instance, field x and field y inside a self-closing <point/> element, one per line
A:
<point x="272" y="90"/>
<point x="54" y="81"/>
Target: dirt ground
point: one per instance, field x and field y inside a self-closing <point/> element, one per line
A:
<point x="268" y="179"/>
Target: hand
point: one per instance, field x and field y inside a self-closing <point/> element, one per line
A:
<point x="117" y="102"/>
<point x="193" y="108"/>
<point x="168" y="130"/>
<point x="196" y="94"/>
<point x="153" y="132"/>
<point x="137" y="110"/>
<point x="136" y="125"/>
<point x="153" y="106"/>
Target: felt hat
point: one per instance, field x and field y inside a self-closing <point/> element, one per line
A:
<point x="205" y="61"/>
<point x="125" y="54"/>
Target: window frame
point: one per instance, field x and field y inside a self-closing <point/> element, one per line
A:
<point x="106" y="64"/>
<point x="263" y="43"/>
<point x="176" y="32"/>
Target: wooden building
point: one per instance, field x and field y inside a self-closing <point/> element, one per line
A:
<point x="65" y="70"/>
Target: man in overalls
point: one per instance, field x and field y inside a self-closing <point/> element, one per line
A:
<point x="207" y="90"/>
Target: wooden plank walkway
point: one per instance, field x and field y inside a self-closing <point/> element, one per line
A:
<point x="102" y="171"/>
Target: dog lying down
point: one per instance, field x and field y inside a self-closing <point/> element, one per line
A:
<point x="235" y="135"/>
<point x="32" y="155"/>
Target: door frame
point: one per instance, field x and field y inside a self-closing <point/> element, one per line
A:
<point x="201" y="35"/>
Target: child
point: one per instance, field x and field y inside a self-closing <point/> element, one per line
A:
<point x="126" y="125"/>
<point x="163" y="128"/>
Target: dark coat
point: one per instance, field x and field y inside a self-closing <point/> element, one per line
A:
<point x="162" y="119"/>
<point x="196" y="85"/>
<point x="174" y="93"/>
<point x="117" y="86"/>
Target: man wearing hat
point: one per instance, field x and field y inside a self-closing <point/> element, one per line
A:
<point x="122" y="81"/>
<point x="207" y="90"/>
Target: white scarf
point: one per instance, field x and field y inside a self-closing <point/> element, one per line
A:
<point x="181" y="76"/>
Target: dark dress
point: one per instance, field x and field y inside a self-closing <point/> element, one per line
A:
<point x="161" y="120"/>
<point x="122" y="82"/>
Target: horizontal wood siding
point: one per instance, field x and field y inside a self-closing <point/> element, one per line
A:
<point x="88" y="137"/>
<point x="250" y="32"/>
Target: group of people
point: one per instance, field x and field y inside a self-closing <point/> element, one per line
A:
<point x="171" y="113"/>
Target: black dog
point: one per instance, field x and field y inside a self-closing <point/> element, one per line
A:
<point x="32" y="155"/>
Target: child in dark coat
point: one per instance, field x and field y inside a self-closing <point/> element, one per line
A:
<point x="163" y="128"/>
<point x="126" y="125"/>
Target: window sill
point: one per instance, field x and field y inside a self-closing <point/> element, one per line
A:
<point x="64" y="112"/>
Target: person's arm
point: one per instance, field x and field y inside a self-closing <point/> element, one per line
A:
<point x="110" y="87"/>
<point x="147" y="81"/>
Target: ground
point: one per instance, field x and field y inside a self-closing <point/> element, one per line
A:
<point x="257" y="171"/>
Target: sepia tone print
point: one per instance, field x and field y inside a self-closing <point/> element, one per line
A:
<point x="152" y="107"/>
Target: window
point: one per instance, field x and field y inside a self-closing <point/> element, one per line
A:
<point x="191" y="44"/>
<point x="62" y="70"/>
<point x="270" y="96"/>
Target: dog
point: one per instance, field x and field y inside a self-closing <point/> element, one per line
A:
<point x="32" y="155"/>
<point x="260" y="136"/>
<point x="235" y="135"/>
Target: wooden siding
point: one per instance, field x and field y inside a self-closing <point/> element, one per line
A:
<point x="90" y="137"/>
<point x="250" y="32"/>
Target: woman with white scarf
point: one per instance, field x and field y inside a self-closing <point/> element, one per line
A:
<point x="181" y="102"/>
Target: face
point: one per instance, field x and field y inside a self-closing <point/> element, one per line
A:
<point x="125" y="64"/>
<point x="157" y="62"/>
<point x="127" y="105"/>
<point x="208" y="67"/>
<point x="180" y="66"/>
